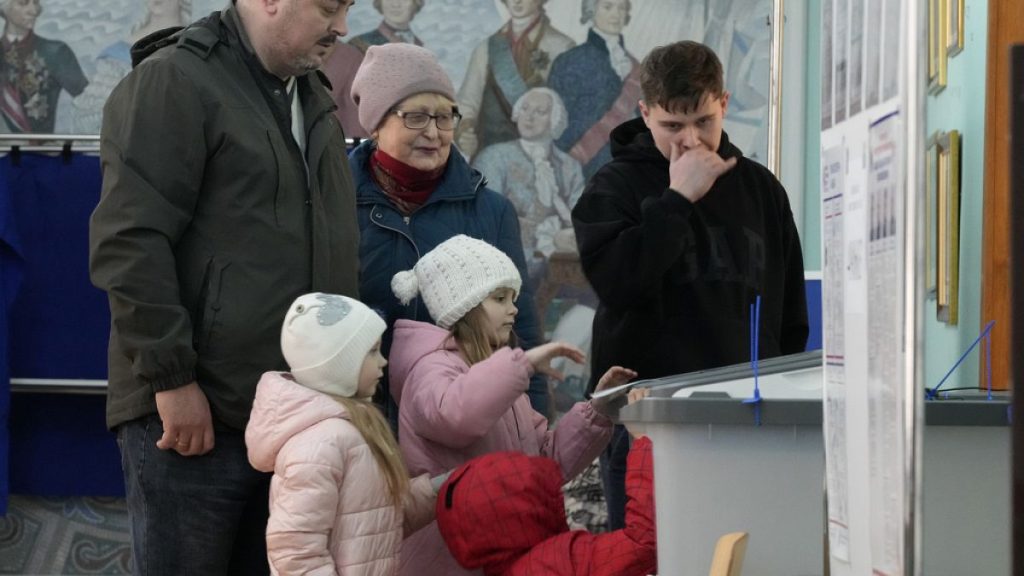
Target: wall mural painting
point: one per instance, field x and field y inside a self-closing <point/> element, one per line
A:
<point x="540" y="85"/>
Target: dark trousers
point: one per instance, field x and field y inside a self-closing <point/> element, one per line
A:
<point x="540" y="397"/>
<point x="204" y="515"/>
<point x="613" y="476"/>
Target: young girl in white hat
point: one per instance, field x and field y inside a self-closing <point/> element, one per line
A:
<point x="340" y="499"/>
<point x="461" y="384"/>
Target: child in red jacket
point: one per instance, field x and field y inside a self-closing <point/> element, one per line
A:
<point x="505" y="513"/>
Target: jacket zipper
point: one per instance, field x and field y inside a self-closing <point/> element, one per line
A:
<point x="376" y="214"/>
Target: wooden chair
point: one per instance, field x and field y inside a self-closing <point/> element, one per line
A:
<point x="729" y="552"/>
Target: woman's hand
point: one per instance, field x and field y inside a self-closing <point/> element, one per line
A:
<point x="541" y="356"/>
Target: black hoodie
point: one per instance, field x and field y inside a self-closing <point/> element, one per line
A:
<point x="676" y="279"/>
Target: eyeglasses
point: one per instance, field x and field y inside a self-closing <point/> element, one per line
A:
<point x="419" y="120"/>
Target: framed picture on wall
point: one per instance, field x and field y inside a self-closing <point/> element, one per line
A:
<point x="941" y="230"/>
<point x="954" y="27"/>
<point x="931" y="216"/>
<point x="937" y="45"/>
<point x="949" y="221"/>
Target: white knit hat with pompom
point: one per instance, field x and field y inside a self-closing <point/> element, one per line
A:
<point x="455" y="277"/>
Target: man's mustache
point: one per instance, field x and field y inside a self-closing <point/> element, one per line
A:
<point x="328" y="40"/>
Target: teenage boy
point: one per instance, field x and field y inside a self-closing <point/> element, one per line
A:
<point x="678" y="235"/>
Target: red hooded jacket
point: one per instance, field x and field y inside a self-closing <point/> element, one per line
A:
<point x="504" y="513"/>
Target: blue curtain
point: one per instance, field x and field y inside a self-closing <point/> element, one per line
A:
<point x="10" y="278"/>
<point x="53" y="323"/>
<point x="60" y="322"/>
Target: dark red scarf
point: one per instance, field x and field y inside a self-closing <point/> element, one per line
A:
<point x="408" y="188"/>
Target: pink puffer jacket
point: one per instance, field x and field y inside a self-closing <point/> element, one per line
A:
<point x="330" y="512"/>
<point x="449" y="412"/>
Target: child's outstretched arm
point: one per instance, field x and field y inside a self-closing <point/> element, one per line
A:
<point x="418" y="507"/>
<point x="455" y="407"/>
<point x="632" y="550"/>
<point x="615" y="376"/>
<point x="541" y="356"/>
<point x="640" y="525"/>
<point x="583" y="432"/>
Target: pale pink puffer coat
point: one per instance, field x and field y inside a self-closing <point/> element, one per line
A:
<point x="449" y="412"/>
<point x="330" y="511"/>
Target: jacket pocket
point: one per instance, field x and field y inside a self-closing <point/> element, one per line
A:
<point x="277" y="180"/>
<point x="290" y="182"/>
<point x="209" y="303"/>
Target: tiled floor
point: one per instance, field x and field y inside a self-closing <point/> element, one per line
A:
<point x="64" y="536"/>
<point x="90" y="535"/>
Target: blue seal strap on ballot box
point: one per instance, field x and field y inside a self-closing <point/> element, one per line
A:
<point x="755" y="324"/>
<point x="986" y="335"/>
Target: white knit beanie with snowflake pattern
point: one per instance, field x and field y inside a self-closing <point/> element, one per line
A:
<point x="455" y="277"/>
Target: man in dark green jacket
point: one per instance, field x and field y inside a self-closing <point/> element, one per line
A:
<point x="226" y="194"/>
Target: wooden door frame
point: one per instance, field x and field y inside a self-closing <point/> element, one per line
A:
<point x="1005" y="27"/>
<point x="1017" y="237"/>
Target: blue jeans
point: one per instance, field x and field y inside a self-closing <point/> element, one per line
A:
<point x="203" y="515"/>
<point x="613" y="476"/>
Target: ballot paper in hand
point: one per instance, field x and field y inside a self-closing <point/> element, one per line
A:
<point x="621" y="390"/>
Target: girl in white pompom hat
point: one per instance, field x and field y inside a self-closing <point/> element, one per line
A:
<point x="461" y="384"/>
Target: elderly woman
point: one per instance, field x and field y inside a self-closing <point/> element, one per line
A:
<point x="542" y="181"/>
<point x="414" y="191"/>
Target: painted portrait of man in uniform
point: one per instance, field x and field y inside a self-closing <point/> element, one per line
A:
<point x="114" y="60"/>
<point x="341" y="66"/>
<point x="599" y="81"/>
<point x="542" y="181"/>
<point x="395" y="26"/>
<point x="515" y="58"/>
<point x="35" y="70"/>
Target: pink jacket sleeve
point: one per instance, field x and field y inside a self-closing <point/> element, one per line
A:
<point x="455" y="407"/>
<point x="576" y="440"/>
<point x="418" y="509"/>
